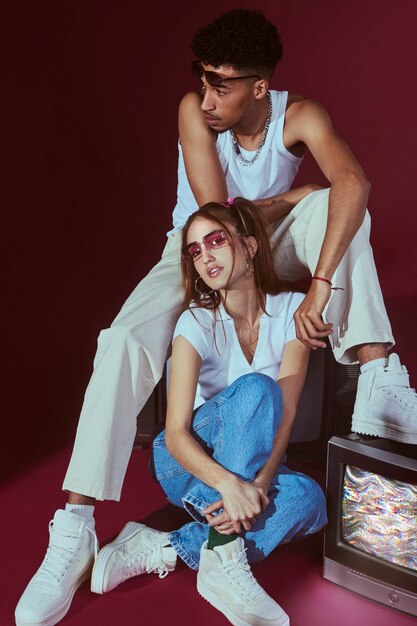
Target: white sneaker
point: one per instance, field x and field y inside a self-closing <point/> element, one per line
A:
<point x="136" y="550"/>
<point x="226" y="581"/>
<point x="67" y="563"/>
<point x="385" y="404"/>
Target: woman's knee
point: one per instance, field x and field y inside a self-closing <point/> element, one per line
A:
<point x="252" y="398"/>
<point x="258" y="387"/>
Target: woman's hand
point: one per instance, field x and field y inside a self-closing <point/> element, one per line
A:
<point x="242" y="501"/>
<point x="263" y="484"/>
<point x="221" y="522"/>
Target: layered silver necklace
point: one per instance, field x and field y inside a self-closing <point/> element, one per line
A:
<point x="239" y="156"/>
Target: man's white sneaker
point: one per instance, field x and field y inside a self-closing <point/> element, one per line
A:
<point x="67" y="563"/>
<point x="226" y="581"/>
<point x="385" y="404"/>
<point x="136" y="550"/>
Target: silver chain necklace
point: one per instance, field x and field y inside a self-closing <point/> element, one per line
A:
<point x="239" y="156"/>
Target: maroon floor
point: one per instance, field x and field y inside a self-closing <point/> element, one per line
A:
<point x="292" y="574"/>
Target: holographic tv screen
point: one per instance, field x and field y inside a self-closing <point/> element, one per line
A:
<point x="379" y="516"/>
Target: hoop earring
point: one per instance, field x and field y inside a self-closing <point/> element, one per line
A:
<point x="249" y="268"/>
<point x="202" y="293"/>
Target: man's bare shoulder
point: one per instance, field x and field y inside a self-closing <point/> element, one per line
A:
<point x="298" y="105"/>
<point x="294" y="98"/>
<point x="303" y="117"/>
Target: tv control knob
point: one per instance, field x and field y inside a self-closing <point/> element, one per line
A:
<point x="393" y="598"/>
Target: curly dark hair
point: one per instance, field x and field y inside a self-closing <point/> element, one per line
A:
<point x="242" y="38"/>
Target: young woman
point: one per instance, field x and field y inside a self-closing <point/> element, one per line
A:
<point x="237" y="372"/>
<point x="235" y="357"/>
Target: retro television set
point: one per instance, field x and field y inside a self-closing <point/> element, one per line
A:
<point x="370" y="544"/>
<point x="325" y="407"/>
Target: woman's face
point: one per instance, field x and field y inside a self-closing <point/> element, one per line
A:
<point x="220" y="267"/>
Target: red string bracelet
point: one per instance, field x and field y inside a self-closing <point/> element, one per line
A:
<point x="326" y="280"/>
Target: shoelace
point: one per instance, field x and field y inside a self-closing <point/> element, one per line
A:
<point x="407" y="396"/>
<point x="150" y="562"/>
<point x="238" y="570"/>
<point x="58" y="559"/>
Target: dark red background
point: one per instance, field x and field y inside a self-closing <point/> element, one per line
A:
<point x="89" y="107"/>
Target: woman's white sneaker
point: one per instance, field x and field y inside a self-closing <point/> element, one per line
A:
<point x="136" y="550"/>
<point x="226" y="581"/>
<point x="67" y="563"/>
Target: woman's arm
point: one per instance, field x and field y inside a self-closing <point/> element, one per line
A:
<point x="291" y="379"/>
<point x="242" y="500"/>
<point x="185" y="368"/>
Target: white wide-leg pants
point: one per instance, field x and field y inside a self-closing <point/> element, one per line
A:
<point x="132" y="353"/>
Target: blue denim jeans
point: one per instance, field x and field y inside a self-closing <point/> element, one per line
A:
<point x="237" y="428"/>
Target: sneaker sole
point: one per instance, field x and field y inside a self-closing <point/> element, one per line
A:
<point x="57" y="617"/>
<point x="364" y="426"/>
<point x="215" y="601"/>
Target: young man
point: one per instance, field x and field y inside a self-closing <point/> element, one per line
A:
<point x="236" y="138"/>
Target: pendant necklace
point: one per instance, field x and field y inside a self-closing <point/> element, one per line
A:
<point x="251" y="331"/>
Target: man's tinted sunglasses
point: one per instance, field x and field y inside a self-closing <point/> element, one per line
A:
<point x="213" y="78"/>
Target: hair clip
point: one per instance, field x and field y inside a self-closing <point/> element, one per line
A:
<point x="229" y="203"/>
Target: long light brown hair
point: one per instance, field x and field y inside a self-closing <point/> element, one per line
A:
<point x="247" y="220"/>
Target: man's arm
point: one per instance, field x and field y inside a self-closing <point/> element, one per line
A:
<point x="198" y="143"/>
<point x="204" y="171"/>
<point x="279" y="206"/>
<point x="308" y="122"/>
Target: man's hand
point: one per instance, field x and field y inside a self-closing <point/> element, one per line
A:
<point x="242" y="502"/>
<point x="310" y="328"/>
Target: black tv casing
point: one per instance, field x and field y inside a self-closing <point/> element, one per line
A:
<point x="325" y="408"/>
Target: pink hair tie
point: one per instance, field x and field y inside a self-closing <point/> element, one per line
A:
<point x="229" y="203"/>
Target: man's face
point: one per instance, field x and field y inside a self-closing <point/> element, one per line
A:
<point x="226" y="105"/>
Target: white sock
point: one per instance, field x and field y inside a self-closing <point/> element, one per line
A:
<point x="84" y="510"/>
<point x="375" y="363"/>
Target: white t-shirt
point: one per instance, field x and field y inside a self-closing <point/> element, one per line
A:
<point x="271" y="174"/>
<point x="222" y="358"/>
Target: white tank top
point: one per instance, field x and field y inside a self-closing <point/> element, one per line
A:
<point x="272" y="173"/>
